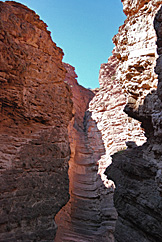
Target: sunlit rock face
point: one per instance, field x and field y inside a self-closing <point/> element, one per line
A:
<point x="116" y="127"/>
<point x="107" y="110"/>
<point x="136" y="51"/>
<point x="90" y="214"/>
<point x="137" y="172"/>
<point x="36" y="108"/>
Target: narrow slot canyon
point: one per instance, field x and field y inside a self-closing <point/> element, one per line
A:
<point x="89" y="214"/>
<point x="78" y="164"/>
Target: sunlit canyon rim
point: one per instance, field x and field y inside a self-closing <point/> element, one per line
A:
<point x="57" y="137"/>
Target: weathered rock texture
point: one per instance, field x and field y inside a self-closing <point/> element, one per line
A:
<point x="137" y="172"/>
<point x="107" y="110"/>
<point x="89" y="215"/>
<point x="126" y="79"/>
<point x="136" y="50"/>
<point x="36" y="108"/>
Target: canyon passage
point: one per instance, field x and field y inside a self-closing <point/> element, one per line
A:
<point x="73" y="165"/>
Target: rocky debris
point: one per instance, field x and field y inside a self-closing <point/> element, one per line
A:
<point x="136" y="50"/>
<point x="137" y="171"/>
<point x="36" y="108"/>
<point x="89" y="215"/>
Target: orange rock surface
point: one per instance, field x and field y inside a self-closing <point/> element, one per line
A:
<point x="36" y="107"/>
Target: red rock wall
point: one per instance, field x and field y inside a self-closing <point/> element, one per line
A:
<point x="36" y="107"/>
<point x="89" y="215"/>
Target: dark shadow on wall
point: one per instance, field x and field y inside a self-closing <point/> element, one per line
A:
<point x="137" y="171"/>
<point x="34" y="183"/>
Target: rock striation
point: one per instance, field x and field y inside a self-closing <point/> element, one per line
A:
<point x="137" y="171"/>
<point x="89" y="214"/>
<point x="43" y="108"/>
<point x="36" y="107"/>
<point x="136" y="51"/>
<point x="107" y="111"/>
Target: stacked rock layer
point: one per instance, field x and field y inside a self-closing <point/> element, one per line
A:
<point x="36" y="107"/>
<point x="136" y="50"/>
<point x="137" y="172"/>
<point x="126" y="79"/>
<point x="107" y="110"/>
<point x="90" y="214"/>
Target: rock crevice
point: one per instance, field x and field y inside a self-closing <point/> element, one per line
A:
<point x="89" y="215"/>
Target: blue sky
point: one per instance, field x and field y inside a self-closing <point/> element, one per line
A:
<point x="84" y="30"/>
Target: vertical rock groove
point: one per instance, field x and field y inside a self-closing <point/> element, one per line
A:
<point x="89" y="215"/>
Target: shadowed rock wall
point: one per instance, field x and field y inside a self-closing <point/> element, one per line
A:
<point x="36" y="108"/>
<point x="137" y="172"/>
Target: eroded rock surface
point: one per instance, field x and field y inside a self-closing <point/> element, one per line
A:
<point x="137" y="171"/>
<point x="116" y="127"/>
<point x="136" y="51"/>
<point x="107" y="110"/>
<point x="89" y="215"/>
<point x="36" y="107"/>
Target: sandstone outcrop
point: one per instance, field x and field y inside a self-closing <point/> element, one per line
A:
<point x="89" y="214"/>
<point x="137" y="171"/>
<point x="36" y="107"/>
<point x="107" y="110"/>
<point x="136" y="51"/>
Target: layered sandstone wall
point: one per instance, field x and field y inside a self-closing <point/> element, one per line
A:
<point x="126" y="79"/>
<point x="137" y="172"/>
<point x="136" y="51"/>
<point x="107" y="111"/>
<point x="89" y="215"/>
<point x="36" y="107"/>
